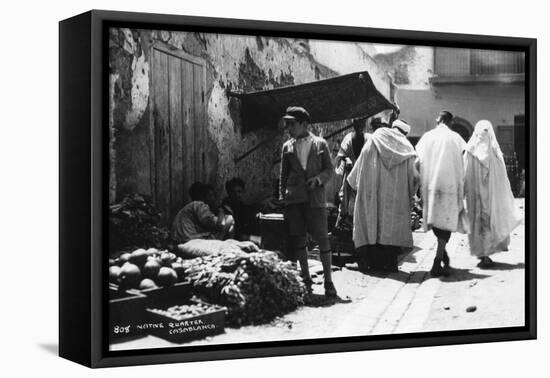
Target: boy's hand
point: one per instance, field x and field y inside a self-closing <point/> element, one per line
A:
<point x="313" y="182"/>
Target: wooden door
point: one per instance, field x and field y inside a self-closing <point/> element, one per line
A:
<point x="178" y="127"/>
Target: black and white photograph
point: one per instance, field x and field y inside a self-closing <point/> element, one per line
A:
<point x="267" y="188"/>
<point x="299" y="188"/>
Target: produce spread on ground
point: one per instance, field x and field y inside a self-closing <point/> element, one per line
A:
<point x="253" y="286"/>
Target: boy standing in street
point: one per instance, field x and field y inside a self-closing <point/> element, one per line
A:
<point x="306" y="167"/>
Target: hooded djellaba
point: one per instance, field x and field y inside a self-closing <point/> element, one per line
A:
<point x="385" y="180"/>
<point x="491" y="211"/>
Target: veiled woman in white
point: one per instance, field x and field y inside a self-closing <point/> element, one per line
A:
<point x="489" y="199"/>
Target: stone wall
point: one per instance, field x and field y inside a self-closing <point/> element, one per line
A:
<point x="410" y="66"/>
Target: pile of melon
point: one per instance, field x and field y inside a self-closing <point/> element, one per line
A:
<point x="146" y="269"/>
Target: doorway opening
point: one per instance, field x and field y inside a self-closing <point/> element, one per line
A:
<point x="462" y="127"/>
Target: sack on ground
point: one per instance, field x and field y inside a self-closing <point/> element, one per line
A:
<point x="204" y="247"/>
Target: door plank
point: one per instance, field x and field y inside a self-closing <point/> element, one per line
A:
<point x="176" y="137"/>
<point x="162" y="129"/>
<point x="153" y="114"/>
<point x="200" y="127"/>
<point x="189" y="126"/>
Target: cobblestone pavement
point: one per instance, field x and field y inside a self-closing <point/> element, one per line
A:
<point x="407" y="301"/>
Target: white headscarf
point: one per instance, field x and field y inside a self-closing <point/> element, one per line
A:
<point x="481" y="143"/>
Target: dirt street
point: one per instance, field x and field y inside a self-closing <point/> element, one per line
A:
<point x="408" y="301"/>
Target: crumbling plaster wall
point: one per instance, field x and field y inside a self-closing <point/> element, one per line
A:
<point x="235" y="63"/>
<point x="349" y="57"/>
<point x="410" y="66"/>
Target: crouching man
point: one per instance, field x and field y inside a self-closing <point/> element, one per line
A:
<point x="306" y="167"/>
<point x="197" y="220"/>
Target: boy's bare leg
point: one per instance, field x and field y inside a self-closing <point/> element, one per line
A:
<point x="326" y="261"/>
<point x="299" y="245"/>
<point x="301" y="254"/>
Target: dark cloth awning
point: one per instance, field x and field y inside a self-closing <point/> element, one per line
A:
<point x="342" y="97"/>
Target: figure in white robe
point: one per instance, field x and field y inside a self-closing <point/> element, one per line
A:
<point x="384" y="178"/>
<point x="489" y="200"/>
<point x="442" y="186"/>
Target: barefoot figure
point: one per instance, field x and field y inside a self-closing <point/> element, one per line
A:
<point x="442" y="186"/>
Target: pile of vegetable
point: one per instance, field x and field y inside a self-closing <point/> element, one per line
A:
<point x="255" y="287"/>
<point x="136" y="222"/>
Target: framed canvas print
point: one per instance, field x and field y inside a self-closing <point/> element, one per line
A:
<point x="233" y="188"/>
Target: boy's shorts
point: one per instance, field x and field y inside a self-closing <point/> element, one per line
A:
<point x="303" y="219"/>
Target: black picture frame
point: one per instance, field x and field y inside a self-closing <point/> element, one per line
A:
<point x="83" y="110"/>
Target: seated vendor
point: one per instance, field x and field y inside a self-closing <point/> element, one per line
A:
<point x="196" y="220"/>
<point x="244" y="214"/>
